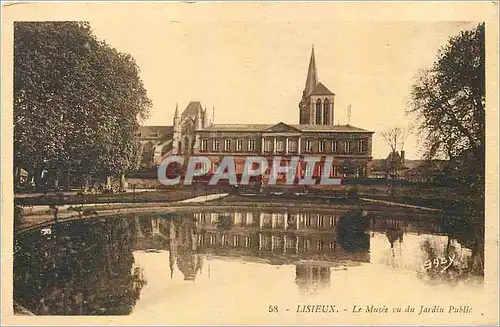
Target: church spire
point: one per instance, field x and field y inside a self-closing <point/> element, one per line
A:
<point x="312" y="75"/>
<point x="176" y="113"/>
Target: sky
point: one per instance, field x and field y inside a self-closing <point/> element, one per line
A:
<point x="251" y="64"/>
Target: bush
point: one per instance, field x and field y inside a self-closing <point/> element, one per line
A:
<point x="89" y="212"/>
<point x="353" y="190"/>
<point x="18" y="215"/>
<point x="107" y="191"/>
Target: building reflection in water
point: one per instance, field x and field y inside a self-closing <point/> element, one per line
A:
<point x="315" y="243"/>
<point x="312" y="242"/>
<point x="88" y="266"/>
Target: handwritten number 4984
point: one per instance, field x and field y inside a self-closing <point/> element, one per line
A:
<point x="445" y="263"/>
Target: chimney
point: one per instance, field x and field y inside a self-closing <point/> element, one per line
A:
<point x="402" y="157"/>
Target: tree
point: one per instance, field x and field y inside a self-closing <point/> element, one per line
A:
<point x="396" y="137"/>
<point x="83" y="268"/>
<point x="77" y="102"/>
<point x="449" y="101"/>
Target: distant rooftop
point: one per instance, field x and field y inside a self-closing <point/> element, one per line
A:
<point x="321" y="89"/>
<point x="155" y="131"/>
<point x="303" y="128"/>
<point x="192" y="109"/>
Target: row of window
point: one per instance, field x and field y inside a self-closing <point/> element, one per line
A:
<point x="227" y="145"/>
<point x="266" y="241"/>
<point x="281" y="145"/>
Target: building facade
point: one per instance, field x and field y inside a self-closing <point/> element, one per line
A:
<point x="158" y="141"/>
<point x="315" y="135"/>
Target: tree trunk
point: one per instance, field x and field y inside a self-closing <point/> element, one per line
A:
<point x="123" y="182"/>
<point x="30" y="178"/>
<point x="17" y="176"/>
<point x="108" y="182"/>
<point x="38" y="177"/>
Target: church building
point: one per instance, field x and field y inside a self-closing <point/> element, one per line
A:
<point x="315" y="135"/>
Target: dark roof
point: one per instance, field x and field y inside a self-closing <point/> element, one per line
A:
<point x="331" y="128"/>
<point x="237" y="127"/>
<point x="192" y="109"/>
<point x="155" y="131"/>
<point x="412" y="164"/>
<point x="321" y="89"/>
<point x="312" y="75"/>
<point x="302" y="128"/>
<point x="394" y="155"/>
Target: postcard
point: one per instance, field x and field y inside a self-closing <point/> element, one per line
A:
<point x="250" y="163"/>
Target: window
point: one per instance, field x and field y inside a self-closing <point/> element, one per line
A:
<point x="318" y="112"/>
<point x="239" y="145"/>
<point x="326" y="112"/>
<point x="267" y="145"/>
<point x="224" y="241"/>
<point x="216" y="145"/>
<point x="280" y="145"/>
<point x="309" y="170"/>
<point x="203" y="145"/>
<point x="309" y="146"/>
<point x="335" y="170"/>
<point x="334" y="146"/>
<point x="292" y="146"/>
<point x="322" y="146"/>
<point x="361" y="146"/>
<point x="248" y="242"/>
<point x="347" y="146"/>
<point x="251" y="145"/>
<point x="227" y="145"/>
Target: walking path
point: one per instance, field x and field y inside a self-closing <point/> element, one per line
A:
<point x="70" y="193"/>
<point x="29" y="210"/>
<point x="203" y="198"/>
<point x="400" y="204"/>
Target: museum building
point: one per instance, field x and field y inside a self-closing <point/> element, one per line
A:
<point x="315" y="135"/>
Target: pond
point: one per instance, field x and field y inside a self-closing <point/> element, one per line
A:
<point x="161" y="267"/>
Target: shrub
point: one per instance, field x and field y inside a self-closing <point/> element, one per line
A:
<point x="89" y="212"/>
<point x="18" y="215"/>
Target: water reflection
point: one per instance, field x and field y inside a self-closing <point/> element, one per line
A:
<point x="84" y="267"/>
<point x="88" y="267"/>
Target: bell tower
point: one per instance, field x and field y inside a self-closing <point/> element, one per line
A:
<point x="317" y="104"/>
<point x="177" y="132"/>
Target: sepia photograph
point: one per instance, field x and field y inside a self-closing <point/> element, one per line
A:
<point x="250" y="163"/>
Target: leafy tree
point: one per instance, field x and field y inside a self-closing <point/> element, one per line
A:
<point x="449" y="100"/>
<point x="83" y="268"/>
<point x="77" y="102"/>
